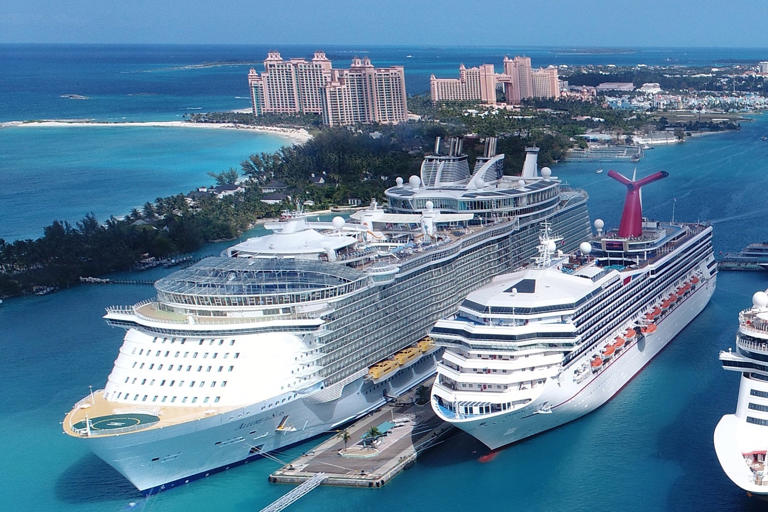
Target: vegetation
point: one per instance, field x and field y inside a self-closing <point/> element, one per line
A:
<point x="334" y="166"/>
<point x="344" y="435"/>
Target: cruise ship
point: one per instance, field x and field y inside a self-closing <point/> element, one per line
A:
<point x="545" y="345"/>
<point x="288" y="335"/>
<point x="741" y="439"/>
<point x="752" y="257"/>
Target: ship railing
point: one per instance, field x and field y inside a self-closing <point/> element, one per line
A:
<point x="138" y="310"/>
<point x="752" y="345"/>
<point x="749" y="321"/>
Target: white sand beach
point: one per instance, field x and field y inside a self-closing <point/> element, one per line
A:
<point x="297" y="135"/>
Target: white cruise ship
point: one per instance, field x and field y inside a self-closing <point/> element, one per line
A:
<point x="741" y="439"/>
<point x="543" y="346"/>
<point x="294" y="333"/>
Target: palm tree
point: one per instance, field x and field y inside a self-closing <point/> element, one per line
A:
<point x="344" y="435"/>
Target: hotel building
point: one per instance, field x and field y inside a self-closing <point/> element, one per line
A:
<point x="365" y="94"/>
<point x="519" y="81"/>
<point x="360" y="94"/>
<point x="478" y="83"/>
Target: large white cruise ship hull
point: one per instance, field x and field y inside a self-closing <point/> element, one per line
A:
<point x="161" y="458"/>
<point x="563" y="399"/>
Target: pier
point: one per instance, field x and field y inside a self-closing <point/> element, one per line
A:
<point x="370" y="458"/>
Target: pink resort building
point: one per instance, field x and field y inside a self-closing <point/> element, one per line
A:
<point x="518" y="80"/>
<point x="359" y="94"/>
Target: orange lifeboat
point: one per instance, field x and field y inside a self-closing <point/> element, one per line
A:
<point x="648" y="328"/>
<point x="619" y="342"/>
<point x="694" y="280"/>
<point x="608" y="350"/>
<point x="629" y="334"/>
<point x="665" y="304"/>
<point x="596" y="363"/>
<point x="672" y="298"/>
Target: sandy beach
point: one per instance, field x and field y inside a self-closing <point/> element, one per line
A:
<point x="296" y="135"/>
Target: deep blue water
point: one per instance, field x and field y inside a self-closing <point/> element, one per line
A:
<point x="650" y="448"/>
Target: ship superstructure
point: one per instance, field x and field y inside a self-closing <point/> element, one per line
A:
<point x="741" y="439"/>
<point x="291" y="334"/>
<point x="545" y="345"/>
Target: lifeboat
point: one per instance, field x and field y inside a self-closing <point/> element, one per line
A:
<point x="406" y="355"/>
<point x="378" y="370"/>
<point x="596" y="363"/>
<point x="619" y="343"/>
<point x="608" y="350"/>
<point x="694" y="280"/>
<point x="425" y="344"/>
<point x="630" y="333"/>
<point x="648" y="328"/>
<point x="665" y="304"/>
<point x="672" y="298"/>
<point x="653" y="314"/>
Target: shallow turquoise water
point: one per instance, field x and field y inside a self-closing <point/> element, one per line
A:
<point x="49" y="173"/>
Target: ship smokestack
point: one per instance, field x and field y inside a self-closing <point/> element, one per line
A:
<point x="632" y="216"/>
<point x="530" y="165"/>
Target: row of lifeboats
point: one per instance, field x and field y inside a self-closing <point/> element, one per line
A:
<point x="400" y="358"/>
<point x="673" y="297"/>
<point x="610" y="349"/>
<point x="620" y="342"/>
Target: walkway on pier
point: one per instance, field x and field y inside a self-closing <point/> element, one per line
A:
<point x="296" y="493"/>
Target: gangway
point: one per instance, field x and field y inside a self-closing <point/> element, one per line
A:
<point x="294" y="495"/>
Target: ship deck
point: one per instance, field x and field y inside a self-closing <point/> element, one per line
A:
<point x="94" y="416"/>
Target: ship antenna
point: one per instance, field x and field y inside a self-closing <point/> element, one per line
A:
<point x="632" y="215"/>
<point x="547" y="246"/>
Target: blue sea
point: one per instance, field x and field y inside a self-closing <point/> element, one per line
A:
<point x="650" y="448"/>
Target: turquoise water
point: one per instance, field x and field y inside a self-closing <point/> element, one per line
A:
<point x="49" y="173"/>
<point x="650" y="448"/>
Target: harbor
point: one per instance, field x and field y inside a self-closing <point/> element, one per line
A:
<point x="374" y="449"/>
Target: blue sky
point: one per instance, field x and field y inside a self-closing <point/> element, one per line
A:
<point x="738" y="23"/>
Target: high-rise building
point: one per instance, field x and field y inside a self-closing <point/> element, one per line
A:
<point x="360" y="94"/>
<point x="478" y="83"/>
<point x="545" y="83"/>
<point x="763" y="67"/>
<point x="365" y="94"/>
<point x="517" y="79"/>
<point x="289" y="86"/>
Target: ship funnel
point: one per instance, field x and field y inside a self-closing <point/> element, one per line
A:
<point x="529" y="166"/>
<point x="632" y="216"/>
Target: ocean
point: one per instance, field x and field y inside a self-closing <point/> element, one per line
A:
<point x="649" y="448"/>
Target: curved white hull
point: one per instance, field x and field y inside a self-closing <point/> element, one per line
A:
<point x="730" y="431"/>
<point x="563" y="399"/>
<point x="162" y="458"/>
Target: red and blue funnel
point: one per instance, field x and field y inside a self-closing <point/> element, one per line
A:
<point x="632" y="217"/>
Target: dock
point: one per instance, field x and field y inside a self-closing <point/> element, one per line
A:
<point x="364" y="460"/>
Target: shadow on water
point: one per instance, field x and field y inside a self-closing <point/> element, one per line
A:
<point x="457" y="448"/>
<point x="89" y="480"/>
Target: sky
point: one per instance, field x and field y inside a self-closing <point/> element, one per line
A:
<point x="578" y="23"/>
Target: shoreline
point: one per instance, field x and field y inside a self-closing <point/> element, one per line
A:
<point x="296" y="135"/>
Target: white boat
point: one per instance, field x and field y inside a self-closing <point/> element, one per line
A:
<point x="543" y="346"/>
<point x="294" y="333"/>
<point x="741" y="439"/>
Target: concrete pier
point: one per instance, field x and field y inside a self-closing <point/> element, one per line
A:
<point x="411" y="428"/>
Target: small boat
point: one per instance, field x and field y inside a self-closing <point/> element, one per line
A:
<point x="630" y="333"/>
<point x="608" y="350"/>
<point x="599" y="171"/>
<point x="648" y="328"/>
<point x="619" y="343"/>
<point x="596" y="363"/>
